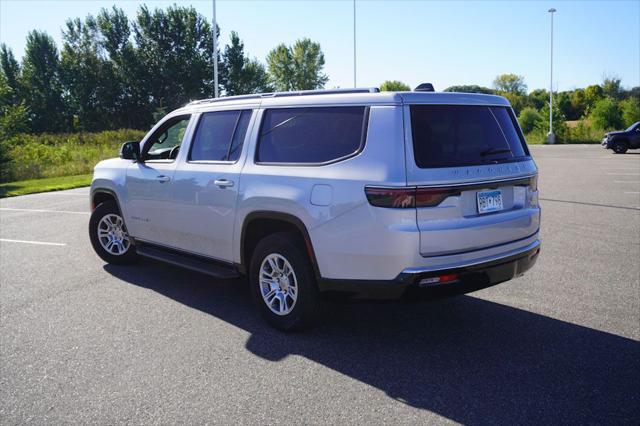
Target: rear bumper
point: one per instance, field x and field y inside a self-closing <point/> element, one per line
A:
<point x="407" y="285"/>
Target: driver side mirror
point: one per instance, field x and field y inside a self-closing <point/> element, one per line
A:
<point x="130" y="151"/>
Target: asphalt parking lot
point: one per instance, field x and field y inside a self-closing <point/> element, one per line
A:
<point x="85" y="342"/>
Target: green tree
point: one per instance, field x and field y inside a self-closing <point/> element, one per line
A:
<point x="529" y="117"/>
<point x="10" y="70"/>
<point x="132" y="102"/>
<point x="630" y="110"/>
<point x="611" y="87"/>
<point x="42" y="86"/>
<point x="606" y="114"/>
<point x="563" y="99"/>
<point x="394" y="86"/>
<point x="513" y="88"/>
<point x="14" y="116"/>
<point x="538" y="98"/>
<point x="510" y="83"/>
<point x="578" y="101"/>
<point x="297" y="67"/>
<point x="471" y="88"/>
<point x="241" y="75"/>
<point x="88" y="76"/>
<point x="174" y="47"/>
<point x="592" y="94"/>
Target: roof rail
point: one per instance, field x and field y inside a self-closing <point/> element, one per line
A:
<point x="285" y="94"/>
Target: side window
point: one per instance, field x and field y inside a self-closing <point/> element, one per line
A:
<point x="311" y="135"/>
<point x="165" y="143"/>
<point x="219" y="136"/>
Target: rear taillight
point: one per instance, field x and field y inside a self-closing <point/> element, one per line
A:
<point x="406" y="198"/>
<point x="411" y="197"/>
<point x="430" y="197"/>
<point x="396" y="198"/>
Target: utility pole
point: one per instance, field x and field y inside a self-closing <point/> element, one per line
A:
<point x="215" y="53"/>
<point x="354" y="44"/>
<point x="551" y="137"/>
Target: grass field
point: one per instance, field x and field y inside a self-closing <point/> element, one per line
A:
<point x="26" y="157"/>
<point x="11" y="189"/>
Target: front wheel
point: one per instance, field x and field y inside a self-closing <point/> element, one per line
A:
<point x="282" y="282"/>
<point x="620" y="147"/>
<point x="109" y="236"/>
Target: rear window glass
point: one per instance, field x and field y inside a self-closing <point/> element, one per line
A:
<point x="310" y="135"/>
<point x="461" y="135"/>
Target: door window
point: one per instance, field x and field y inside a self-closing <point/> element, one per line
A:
<point x="219" y="136"/>
<point x="165" y="143"/>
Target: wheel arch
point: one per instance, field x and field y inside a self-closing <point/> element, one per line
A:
<point x="272" y="222"/>
<point x="100" y="195"/>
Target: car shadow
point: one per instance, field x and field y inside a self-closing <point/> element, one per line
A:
<point x="467" y="359"/>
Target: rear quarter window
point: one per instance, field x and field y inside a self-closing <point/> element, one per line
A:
<point x="464" y="135"/>
<point x="313" y="135"/>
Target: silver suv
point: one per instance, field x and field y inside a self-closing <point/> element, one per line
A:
<point x="345" y="192"/>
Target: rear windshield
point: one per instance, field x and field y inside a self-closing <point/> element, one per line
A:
<point x="463" y="135"/>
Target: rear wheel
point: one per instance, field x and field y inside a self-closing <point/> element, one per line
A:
<point x="620" y="147"/>
<point x="282" y="282"/>
<point x="109" y="236"/>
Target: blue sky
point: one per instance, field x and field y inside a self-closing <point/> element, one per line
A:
<point x="444" y="42"/>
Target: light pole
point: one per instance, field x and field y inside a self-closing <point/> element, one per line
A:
<point x="551" y="137"/>
<point x="354" y="43"/>
<point x="215" y="53"/>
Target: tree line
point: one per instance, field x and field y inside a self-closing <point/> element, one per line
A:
<point x="112" y="72"/>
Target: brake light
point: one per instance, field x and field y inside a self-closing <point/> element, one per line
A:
<point x="411" y="197"/>
<point x="430" y="197"/>
<point x="397" y="198"/>
<point x="405" y="198"/>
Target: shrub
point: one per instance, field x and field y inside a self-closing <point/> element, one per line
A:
<point x="630" y="111"/>
<point x="559" y="126"/>
<point x="528" y="119"/>
<point x="606" y="114"/>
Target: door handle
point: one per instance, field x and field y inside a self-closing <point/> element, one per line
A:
<point x="163" y="178"/>
<point x="224" y="183"/>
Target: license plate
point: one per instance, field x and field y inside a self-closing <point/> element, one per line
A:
<point x="489" y="201"/>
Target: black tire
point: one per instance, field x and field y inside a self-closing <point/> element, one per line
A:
<point x="620" y="147"/>
<point x="304" y="310"/>
<point x="110" y="208"/>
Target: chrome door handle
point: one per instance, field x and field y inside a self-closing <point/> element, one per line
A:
<point x="224" y="183"/>
<point x="163" y="178"/>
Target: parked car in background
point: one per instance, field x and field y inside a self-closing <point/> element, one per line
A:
<point x="623" y="140"/>
<point x="352" y="192"/>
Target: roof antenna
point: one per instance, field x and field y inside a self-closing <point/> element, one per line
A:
<point x="425" y="87"/>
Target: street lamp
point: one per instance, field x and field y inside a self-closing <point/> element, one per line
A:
<point x="551" y="137"/>
<point x="215" y="53"/>
<point x="354" y="43"/>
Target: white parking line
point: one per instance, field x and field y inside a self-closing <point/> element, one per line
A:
<point x="41" y="211"/>
<point x="83" y="194"/>
<point x="632" y="192"/>
<point x="614" y="169"/>
<point x="626" y="181"/>
<point x="42" y="243"/>
<point x="623" y="174"/>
